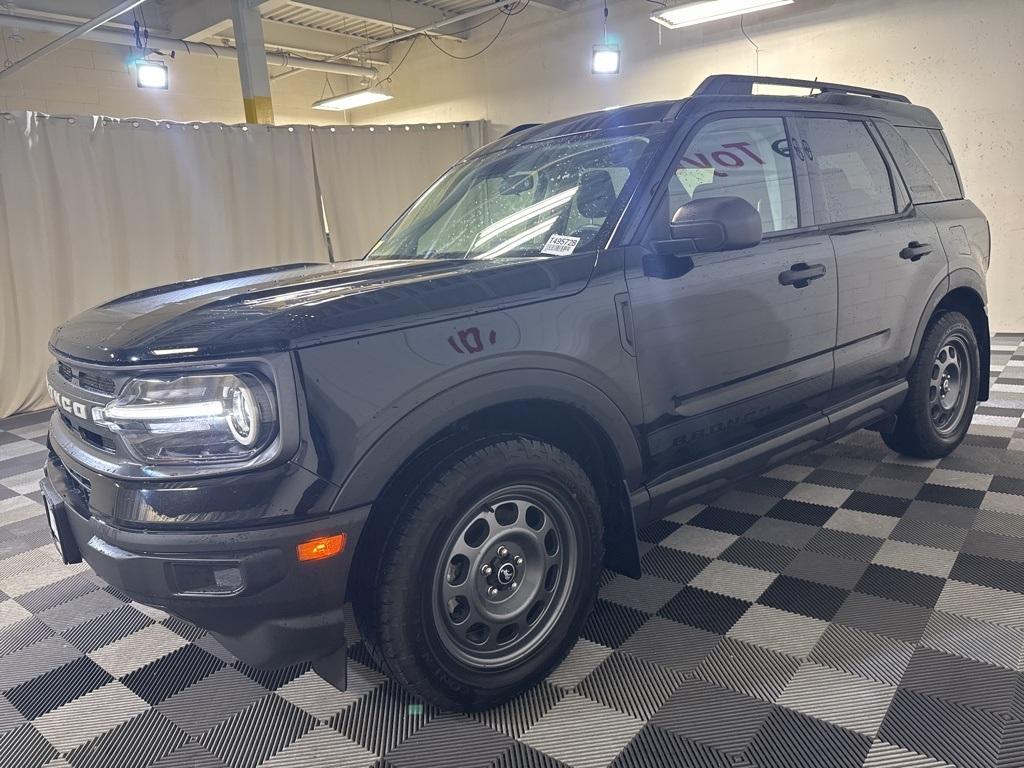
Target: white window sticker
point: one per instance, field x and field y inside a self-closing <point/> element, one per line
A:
<point x="560" y="245"/>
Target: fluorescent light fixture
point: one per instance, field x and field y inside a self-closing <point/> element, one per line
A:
<point x="701" y="11"/>
<point x="606" y="60"/>
<point x="151" y="74"/>
<point x="353" y="99"/>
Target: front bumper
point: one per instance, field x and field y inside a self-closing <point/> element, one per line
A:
<point x="246" y="586"/>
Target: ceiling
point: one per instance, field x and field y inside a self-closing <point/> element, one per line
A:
<point x="314" y="28"/>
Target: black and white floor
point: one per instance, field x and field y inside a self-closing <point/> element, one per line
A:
<point x="850" y="608"/>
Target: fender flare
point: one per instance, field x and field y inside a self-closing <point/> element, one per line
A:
<point x="405" y="437"/>
<point x="958" y="278"/>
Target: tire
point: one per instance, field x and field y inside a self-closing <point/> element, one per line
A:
<point x="527" y="511"/>
<point x="934" y="420"/>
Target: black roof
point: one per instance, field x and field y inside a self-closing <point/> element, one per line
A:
<point x="730" y="91"/>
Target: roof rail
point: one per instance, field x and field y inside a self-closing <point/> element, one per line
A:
<point x="743" y="85"/>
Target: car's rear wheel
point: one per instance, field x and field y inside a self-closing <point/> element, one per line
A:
<point x="943" y="390"/>
<point x="485" y="580"/>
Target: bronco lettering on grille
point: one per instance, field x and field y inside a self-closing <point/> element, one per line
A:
<point x="81" y="410"/>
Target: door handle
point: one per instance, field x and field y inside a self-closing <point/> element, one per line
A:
<point x="801" y="274"/>
<point x="915" y="251"/>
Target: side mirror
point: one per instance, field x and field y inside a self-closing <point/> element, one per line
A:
<point x="713" y="224"/>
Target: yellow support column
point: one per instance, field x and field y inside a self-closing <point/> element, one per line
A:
<point x="252" y="62"/>
<point x="259" y="109"/>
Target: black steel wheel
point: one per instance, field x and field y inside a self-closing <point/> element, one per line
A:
<point x="487" y="575"/>
<point x="943" y="390"/>
<point x="949" y="384"/>
<point x="505" y="576"/>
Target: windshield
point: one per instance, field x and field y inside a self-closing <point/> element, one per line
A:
<point x="549" y="198"/>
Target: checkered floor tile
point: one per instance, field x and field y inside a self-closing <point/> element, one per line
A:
<point x="849" y="608"/>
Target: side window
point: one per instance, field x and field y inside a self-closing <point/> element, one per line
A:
<point x="925" y="162"/>
<point x="744" y="157"/>
<point x="851" y="181"/>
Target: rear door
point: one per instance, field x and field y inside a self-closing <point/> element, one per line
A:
<point x="888" y="255"/>
<point x="926" y="165"/>
<point x="730" y="347"/>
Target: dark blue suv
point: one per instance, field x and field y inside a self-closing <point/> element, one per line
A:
<point x="574" y="331"/>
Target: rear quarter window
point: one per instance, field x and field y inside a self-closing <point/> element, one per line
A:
<point x="925" y="161"/>
<point x="850" y="178"/>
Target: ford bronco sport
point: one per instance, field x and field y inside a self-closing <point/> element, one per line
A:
<point x="574" y="331"/>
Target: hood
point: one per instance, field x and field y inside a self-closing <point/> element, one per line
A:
<point x="296" y="305"/>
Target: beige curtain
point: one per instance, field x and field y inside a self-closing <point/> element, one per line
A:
<point x="91" y="209"/>
<point x="369" y="174"/>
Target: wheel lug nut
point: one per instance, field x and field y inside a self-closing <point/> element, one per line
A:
<point x="492" y="591"/>
<point x="486" y="570"/>
<point x="518" y="560"/>
<point x="502" y="551"/>
<point x="513" y="585"/>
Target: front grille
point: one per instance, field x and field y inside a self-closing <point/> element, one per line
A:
<point x="78" y="392"/>
<point x="94" y="382"/>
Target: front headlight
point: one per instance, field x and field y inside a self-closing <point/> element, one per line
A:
<point x="190" y="419"/>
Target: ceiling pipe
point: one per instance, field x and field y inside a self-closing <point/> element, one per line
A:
<point x="117" y="37"/>
<point x="494" y="6"/>
<point x="73" y="33"/>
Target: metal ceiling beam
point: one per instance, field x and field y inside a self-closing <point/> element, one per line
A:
<point x="126" y="38"/>
<point x="404" y="15"/>
<point x="280" y="35"/>
<point x="195" y="20"/>
<point x="77" y="11"/>
<point x="559" y="6"/>
<point x="431" y="28"/>
<point x="203" y="19"/>
<point x="71" y="35"/>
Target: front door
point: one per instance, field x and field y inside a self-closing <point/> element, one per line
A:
<point x="735" y="345"/>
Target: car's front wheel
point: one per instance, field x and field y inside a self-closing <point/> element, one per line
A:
<point x="943" y="390"/>
<point x="488" y="574"/>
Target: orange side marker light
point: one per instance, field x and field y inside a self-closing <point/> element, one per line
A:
<point x="321" y="547"/>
